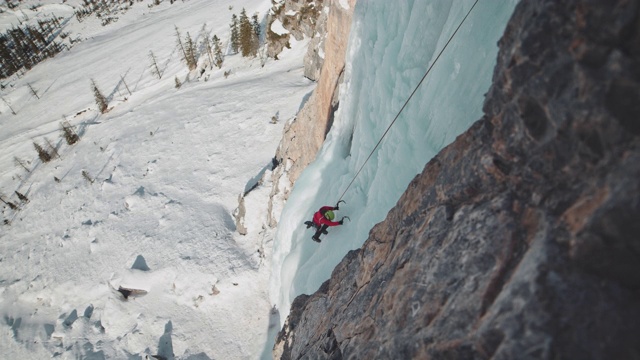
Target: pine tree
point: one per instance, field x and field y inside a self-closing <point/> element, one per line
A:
<point x="8" y="203"/>
<point x="42" y="153"/>
<point x="125" y="85"/>
<point x="21" y="196"/>
<point x="86" y="176"/>
<point x="235" y="34"/>
<point x="248" y="37"/>
<point x="255" y="24"/>
<point x="6" y="57"/>
<point x="21" y="163"/>
<point x="101" y="101"/>
<point x="190" y="51"/>
<point x="8" y="105"/>
<point x="69" y="134"/>
<point x="217" y="52"/>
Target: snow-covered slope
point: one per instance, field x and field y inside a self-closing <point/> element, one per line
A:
<point x="391" y="46"/>
<point x="163" y="171"/>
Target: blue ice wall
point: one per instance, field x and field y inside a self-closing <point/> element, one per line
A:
<point x="391" y="46"/>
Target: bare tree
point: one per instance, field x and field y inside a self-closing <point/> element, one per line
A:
<point x="33" y="91"/>
<point x="217" y="51"/>
<point x="21" y="163"/>
<point x="179" y="40"/>
<point x="207" y="45"/>
<point x="154" y="64"/>
<point x="9" y="105"/>
<point x="125" y="85"/>
<point x="52" y="148"/>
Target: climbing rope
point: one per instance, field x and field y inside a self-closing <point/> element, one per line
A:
<point x="409" y="98"/>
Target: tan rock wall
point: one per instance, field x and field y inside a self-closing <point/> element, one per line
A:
<point x="303" y="137"/>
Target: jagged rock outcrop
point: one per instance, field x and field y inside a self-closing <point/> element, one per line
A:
<point x="300" y="19"/>
<point x="520" y="239"/>
<point x="303" y="137"/>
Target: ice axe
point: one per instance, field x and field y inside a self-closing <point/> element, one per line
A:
<point x="338" y="204"/>
<point x="345" y="217"/>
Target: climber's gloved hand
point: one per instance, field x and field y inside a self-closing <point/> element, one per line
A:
<point x="341" y="221"/>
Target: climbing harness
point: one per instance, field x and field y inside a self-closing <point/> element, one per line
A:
<point x="409" y="98"/>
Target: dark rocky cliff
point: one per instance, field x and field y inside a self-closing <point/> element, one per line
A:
<point x="521" y="240"/>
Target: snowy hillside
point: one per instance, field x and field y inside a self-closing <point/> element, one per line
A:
<point x="144" y="200"/>
<point x="384" y="65"/>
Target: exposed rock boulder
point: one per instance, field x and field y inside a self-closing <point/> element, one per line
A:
<point x="520" y="239"/>
<point x="239" y="214"/>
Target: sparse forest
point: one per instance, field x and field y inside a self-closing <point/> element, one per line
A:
<point x="24" y="46"/>
<point x="245" y="34"/>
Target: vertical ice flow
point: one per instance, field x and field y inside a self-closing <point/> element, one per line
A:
<point x="391" y="46"/>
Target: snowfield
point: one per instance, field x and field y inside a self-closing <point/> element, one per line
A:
<point x="144" y="200"/>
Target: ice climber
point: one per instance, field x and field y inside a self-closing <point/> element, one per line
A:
<point x="322" y="219"/>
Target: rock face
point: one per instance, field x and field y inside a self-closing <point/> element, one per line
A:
<point x="520" y="239"/>
<point x="303" y="137"/>
<point x="327" y="23"/>
<point x="300" y="18"/>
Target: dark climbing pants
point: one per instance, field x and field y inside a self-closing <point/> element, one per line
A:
<point x="320" y="231"/>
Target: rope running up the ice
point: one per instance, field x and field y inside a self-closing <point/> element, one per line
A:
<point x="408" y="99"/>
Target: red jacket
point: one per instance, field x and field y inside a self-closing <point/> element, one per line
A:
<point x="319" y="218"/>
